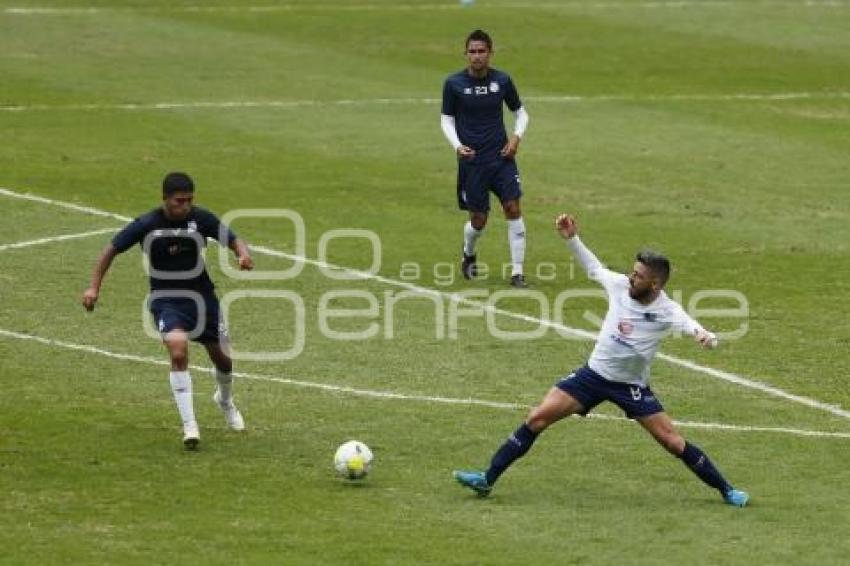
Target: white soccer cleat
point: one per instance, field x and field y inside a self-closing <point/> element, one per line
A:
<point x="231" y="413"/>
<point x="191" y="435"/>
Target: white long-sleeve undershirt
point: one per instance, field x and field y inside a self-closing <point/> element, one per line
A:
<point x="520" y="121"/>
<point x="447" y="123"/>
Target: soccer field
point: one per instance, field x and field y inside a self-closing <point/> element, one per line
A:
<point x="715" y="131"/>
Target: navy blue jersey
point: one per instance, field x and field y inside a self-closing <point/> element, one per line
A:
<point x="476" y="105"/>
<point x="174" y="246"/>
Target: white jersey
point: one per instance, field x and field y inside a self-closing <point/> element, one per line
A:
<point x="632" y="331"/>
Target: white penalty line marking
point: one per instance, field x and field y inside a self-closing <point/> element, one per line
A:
<point x="448" y="6"/>
<point x="459" y="298"/>
<point x="392" y="395"/>
<point x="48" y="240"/>
<point x="294" y="104"/>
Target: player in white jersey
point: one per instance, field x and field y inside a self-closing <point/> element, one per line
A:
<point x="640" y="315"/>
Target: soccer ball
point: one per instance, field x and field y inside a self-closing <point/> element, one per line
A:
<point x="352" y="460"/>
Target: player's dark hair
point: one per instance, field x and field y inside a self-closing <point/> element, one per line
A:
<point x="658" y="264"/>
<point x="177" y="182"/>
<point x="479" y="35"/>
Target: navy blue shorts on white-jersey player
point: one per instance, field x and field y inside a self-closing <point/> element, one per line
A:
<point x="590" y="389"/>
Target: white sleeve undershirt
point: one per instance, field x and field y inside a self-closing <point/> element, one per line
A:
<point x="520" y="121"/>
<point x="447" y="123"/>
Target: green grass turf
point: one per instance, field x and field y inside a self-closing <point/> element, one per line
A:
<point x="743" y="194"/>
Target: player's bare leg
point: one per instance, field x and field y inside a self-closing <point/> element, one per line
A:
<point x="177" y="344"/>
<point x="555" y="406"/>
<point x="516" y="241"/>
<point x="471" y="232"/>
<point x="223" y="397"/>
<point x="662" y="429"/>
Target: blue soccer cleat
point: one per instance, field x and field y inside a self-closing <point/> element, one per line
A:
<point x="476" y="481"/>
<point x="736" y="497"/>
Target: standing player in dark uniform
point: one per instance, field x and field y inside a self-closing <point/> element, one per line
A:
<point x="472" y="122"/>
<point x="182" y="299"/>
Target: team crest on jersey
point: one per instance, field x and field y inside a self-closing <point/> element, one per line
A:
<point x="192" y="226"/>
<point x="625" y="327"/>
<point x="494" y="87"/>
<point x="467" y="90"/>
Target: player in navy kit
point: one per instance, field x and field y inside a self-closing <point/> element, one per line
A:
<point x="182" y="300"/>
<point x="639" y="316"/>
<point x="471" y="119"/>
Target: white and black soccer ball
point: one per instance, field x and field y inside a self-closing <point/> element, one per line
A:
<point x="352" y="460"/>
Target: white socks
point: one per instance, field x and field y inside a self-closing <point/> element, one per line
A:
<point x="181" y="386"/>
<point x="225" y="386"/>
<point x="470" y="235"/>
<point x="516" y="241"/>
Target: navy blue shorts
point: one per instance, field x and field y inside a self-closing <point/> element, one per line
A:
<point x="173" y="313"/>
<point x="476" y="180"/>
<point x="589" y="388"/>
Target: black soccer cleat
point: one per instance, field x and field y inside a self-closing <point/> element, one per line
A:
<point x="191" y="436"/>
<point x="518" y="281"/>
<point x="468" y="266"/>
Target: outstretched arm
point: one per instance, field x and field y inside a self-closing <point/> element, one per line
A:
<point x="703" y="337"/>
<point x="91" y="294"/>
<point x="568" y="229"/>
<point x="240" y="248"/>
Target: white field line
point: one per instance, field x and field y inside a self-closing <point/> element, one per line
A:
<point x="62" y="238"/>
<point x="287" y="381"/>
<point x="61" y="204"/>
<point x="392" y="395"/>
<point x="294" y="104"/>
<point x="561" y="328"/>
<point x="448" y="6"/>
